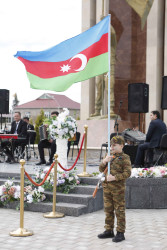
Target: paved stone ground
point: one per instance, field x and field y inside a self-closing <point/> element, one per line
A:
<point x="146" y="230"/>
<point x="92" y="166"/>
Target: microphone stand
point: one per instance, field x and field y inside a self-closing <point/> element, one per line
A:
<point x="116" y="124"/>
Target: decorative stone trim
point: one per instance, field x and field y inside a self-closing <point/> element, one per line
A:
<point x="146" y="193"/>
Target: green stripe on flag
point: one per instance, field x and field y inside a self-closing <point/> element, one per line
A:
<point x="96" y="66"/>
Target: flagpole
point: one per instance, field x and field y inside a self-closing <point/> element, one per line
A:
<point x="109" y="54"/>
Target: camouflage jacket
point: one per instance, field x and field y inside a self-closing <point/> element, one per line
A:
<point x="120" y="167"/>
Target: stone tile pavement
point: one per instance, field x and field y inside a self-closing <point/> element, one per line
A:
<point x="146" y="230"/>
<point x="92" y="165"/>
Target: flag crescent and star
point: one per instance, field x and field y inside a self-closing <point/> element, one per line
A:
<point x="74" y="60"/>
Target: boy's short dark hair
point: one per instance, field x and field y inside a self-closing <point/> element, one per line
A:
<point x="156" y="112"/>
<point x="118" y="140"/>
<point x="55" y="113"/>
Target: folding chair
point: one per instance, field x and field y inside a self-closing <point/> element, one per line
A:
<point x="162" y="148"/>
<point x="19" y="151"/>
<point x="74" y="143"/>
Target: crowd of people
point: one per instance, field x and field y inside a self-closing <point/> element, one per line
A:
<point x="26" y="134"/>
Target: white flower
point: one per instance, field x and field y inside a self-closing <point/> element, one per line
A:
<point x="17" y="188"/>
<point x="71" y="133"/>
<point x="69" y="123"/>
<point x="71" y="178"/>
<point x="17" y="195"/>
<point x="48" y="178"/>
<point x="46" y="169"/>
<point x="29" y="198"/>
<point x="9" y="182"/>
<point x="66" y="111"/>
<point x="157" y="173"/>
<point x="59" y="125"/>
<point x="1" y="190"/>
<point x="65" y="130"/>
<point x="135" y="172"/>
<point x="73" y="124"/>
<point x="41" y="189"/>
<point x="64" y="126"/>
<point x="42" y="175"/>
<point x="55" y="122"/>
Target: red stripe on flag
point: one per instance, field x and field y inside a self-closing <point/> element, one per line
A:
<point x="53" y="69"/>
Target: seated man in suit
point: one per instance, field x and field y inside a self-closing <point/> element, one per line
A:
<point x="153" y="137"/>
<point x="19" y="127"/>
<point x="29" y="126"/>
<point x="47" y="144"/>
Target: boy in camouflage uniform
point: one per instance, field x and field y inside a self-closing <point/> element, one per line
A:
<point x="114" y="189"/>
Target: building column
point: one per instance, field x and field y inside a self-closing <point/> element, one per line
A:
<point x="88" y="86"/>
<point x="155" y="55"/>
<point x="165" y="55"/>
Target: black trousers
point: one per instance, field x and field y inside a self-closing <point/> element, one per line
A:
<point x="46" y="144"/>
<point x="140" y="153"/>
<point x="9" y="146"/>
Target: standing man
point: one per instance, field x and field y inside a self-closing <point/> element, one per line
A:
<point x="153" y="137"/>
<point x="47" y="144"/>
<point x="114" y="189"/>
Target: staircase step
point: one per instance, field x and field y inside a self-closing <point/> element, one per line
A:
<point x="69" y="209"/>
<point x="83" y="189"/>
<point x="9" y="175"/>
<point x="70" y="198"/>
<point x="93" y="204"/>
<point x="89" y="180"/>
<point x="78" y="201"/>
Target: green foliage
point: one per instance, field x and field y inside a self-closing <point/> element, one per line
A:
<point x="38" y="123"/>
<point x="95" y="173"/>
<point x="31" y="121"/>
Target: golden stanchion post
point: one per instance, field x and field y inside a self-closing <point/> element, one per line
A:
<point x="21" y="231"/>
<point x="85" y="174"/>
<point x="54" y="214"/>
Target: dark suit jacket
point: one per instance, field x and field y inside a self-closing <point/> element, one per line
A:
<point x="22" y="129"/>
<point x="155" y="131"/>
<point x="30" y="127"/>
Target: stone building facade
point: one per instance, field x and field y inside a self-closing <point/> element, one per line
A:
<point x="141" y="56"/>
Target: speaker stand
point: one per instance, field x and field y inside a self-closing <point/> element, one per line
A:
<point x="139" y="122"/>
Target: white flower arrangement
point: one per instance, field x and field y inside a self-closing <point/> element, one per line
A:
<point x="10" y="192"/>
<point x="153" y="172"/>
<point x="65" y="180"/>
<point x="63" y="126"/>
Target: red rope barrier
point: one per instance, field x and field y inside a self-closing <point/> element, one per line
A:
<point x="40" y="184"/>
<point x="76" y="158"/>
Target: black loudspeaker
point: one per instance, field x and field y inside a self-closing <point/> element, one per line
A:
<point x="164" y="93"/>
<point x="138" y="95"/>
<point x="4" y="101"/>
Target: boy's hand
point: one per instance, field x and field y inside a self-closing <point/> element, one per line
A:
<point x="110" y="177"/>
<point x="107" y="159"/>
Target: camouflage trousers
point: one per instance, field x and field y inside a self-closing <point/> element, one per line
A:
<point x="114" y="204"/>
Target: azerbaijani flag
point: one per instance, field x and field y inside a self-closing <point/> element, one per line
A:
<point x="74" y="60"/>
